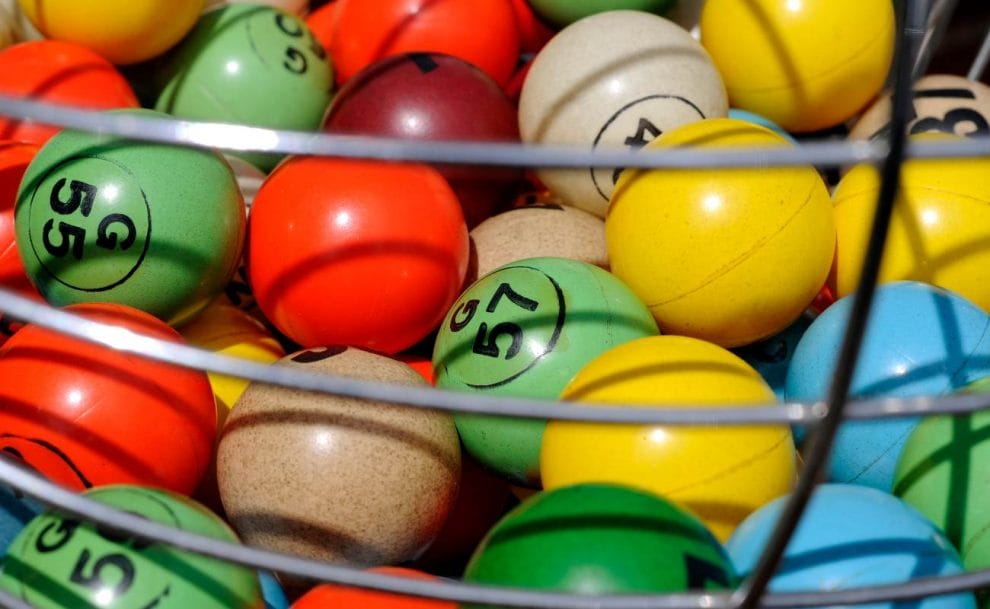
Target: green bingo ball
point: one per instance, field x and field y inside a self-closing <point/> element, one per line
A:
<point x="249" y="64"/>
<point x="944" y="473"/>
<point x="525" y="330"/>
<point x="566" y="12"/>
<point x="153" y="226"/>
<point x="57" y="562"/>
<point x="601" y="539"/>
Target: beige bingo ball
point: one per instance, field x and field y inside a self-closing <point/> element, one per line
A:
<point x="249" y="178"/>
<point x="296" y="7"/>
<point x="338" y="479"/>
<point x="618" y="78"/>
<point x="942" y="103"/>
<point x="546" y="229"/>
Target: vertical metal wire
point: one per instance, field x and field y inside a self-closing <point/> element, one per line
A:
<point x="980" y="62"/>
<point x="913" y="16"/>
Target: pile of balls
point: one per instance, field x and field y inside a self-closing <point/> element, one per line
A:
<point x="596" y="286"/>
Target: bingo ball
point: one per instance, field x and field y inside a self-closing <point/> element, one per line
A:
<point x="944" y="472"/>
<point x="271" y="591"/>
<point x="294" y="7"/>
<point x="720" y="474"/>
<point x="8" y="27"/>
<point x="58" y="73"/>
<point x="851" y="537"/>
<point x="731" y="256"/>
<point x="525" y="330"/>
<point x="943" y="103"/>
<point x="394" y="468"/>
<point x="566" y="12"/>
<point x="481" y="32"/>
<point x="424" y="96"/>
<point x="771" y="357"/>
<point x="320" y="21"/>
<point x="14" y="160"/>
<point x="535" y="231"/>
<point x="359" y="253"/>
<point x="601" y="539"/>
<point x="123" y="31"/>
<point x="59" y="562"/>
<point x="939" y="228"/>
<point x="324" y="596"/>
<point x="153" y="226"/>
<point x="806" y="65"/>
<point x="247" y="64"/>
<point x="920" y="340"/>
<point x="85" y="415"/>
<point x="618" y="78"/>
<point x="763" y="121"/>
<point x="16" y="511"/>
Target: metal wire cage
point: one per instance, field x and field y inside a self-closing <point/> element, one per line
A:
<point x="922" y="25"/>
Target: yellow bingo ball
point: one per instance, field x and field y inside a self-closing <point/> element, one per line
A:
<point x="731" y="256"/>
<point x="123" y="31"/>
<point x="225" y="329"/>
<point x="721" y="474"/>
<point x="804" y="64"/>
<point x="939" y="231"/>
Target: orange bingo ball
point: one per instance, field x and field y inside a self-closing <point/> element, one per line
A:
<point x="326" y="596"/>
<point x="481" y="32"/>
<point x="58" y="73"/>
<point x="84" y="415"/>
<point x="14" y="160"/>
<point x="359" y="253"/>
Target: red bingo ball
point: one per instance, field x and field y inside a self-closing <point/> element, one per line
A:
<point x="482" y="32"/>
<point x="428" y="96"/>
<point x="14" y="160"/>
<point x="59" y="73"/>
<point x="85" y="415"/>
<point x="359" y="253"/>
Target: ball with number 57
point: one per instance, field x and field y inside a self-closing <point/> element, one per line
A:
<point x="58" y="561"/>
<point x="525" y="330"/>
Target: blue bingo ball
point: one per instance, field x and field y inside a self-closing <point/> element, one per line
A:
<point x="772" y="356"/>
<point x="920" y="340"/>
<point x="850" y="537"/>
<point x="15" y="512"/>
<point x="272" y="592"/>
<point x="757" y="119"/>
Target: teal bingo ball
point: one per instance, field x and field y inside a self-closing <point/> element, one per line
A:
<point x="524" y="330"/>
<point x="153" y="226"/>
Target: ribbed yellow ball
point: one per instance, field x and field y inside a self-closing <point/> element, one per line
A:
<point x="731" y="256"/>
<point x="720" y="473"/>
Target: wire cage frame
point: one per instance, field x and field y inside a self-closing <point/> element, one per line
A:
<point x="922" y="24"/>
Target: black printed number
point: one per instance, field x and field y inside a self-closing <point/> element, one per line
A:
<point x="64" y="238"/>
<point x="951" y="119"/>
<point x="54" y="536"/>
<point x="103" y="572"/>
<point x="486" y="341"/>
<point x="295" y="61"/>
<point x="638" y="140"/>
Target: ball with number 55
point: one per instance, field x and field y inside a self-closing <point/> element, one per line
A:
<point x="524" y="330"/>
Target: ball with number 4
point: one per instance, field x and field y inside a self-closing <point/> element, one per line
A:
<point x="59" y="562"/>
<point x="247" y="63"/>
<point x="524" y="330"/>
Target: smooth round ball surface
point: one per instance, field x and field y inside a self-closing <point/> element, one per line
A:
<point x="293" y="7"/>
<point x="731" y="256"/>
<point x="920" y="340"/>
<point x="332" y="595"/>
<point x="16" y="511"/>
<point x="58" y="561"/>
<point x="359" y="253"/>
<point x="15" y="157"/>
<point x="763" y="121"/>
<point x="8" y="27"/>
<point x="618" y="78"/>
<point x="395" y="468"/>
<point x="852" y="537"/>
<point x="943" y="472"/>
<point x="944" y="103"/>
<point x="123" y="31"/>
<point x="566" y="12"/>
<point x="481" y="32"/>
<point x="601" y="539"/>
<point x="525" y="330"/>
<point x="534" y="231"/>
<point x="429" y="96"/>
<point x="939" y="231"/>
<point x="152" y="226"/>
<point x="771" y="357"/>
<point x="59" y="73"/>
<point x="247" y="64"/>
<point x="84" y="415"/>
<point x="720" y="474"/>
<point x="805" y="65"/>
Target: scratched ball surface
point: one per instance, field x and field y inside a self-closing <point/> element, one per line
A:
<point x="395" y="468"/>
<point x="618" y="78"/>
<point x="58" y="561"/>
<point x="601" y="539"/>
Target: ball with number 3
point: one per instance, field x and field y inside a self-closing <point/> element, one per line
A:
<point x="524" y="330"/>
<point x="58" y="561"/>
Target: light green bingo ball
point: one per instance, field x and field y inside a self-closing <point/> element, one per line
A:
<point x="248" y="64"/>
<point x="57" y="562"/>
<point x="153" y="226"/>
<point x="524" y="330"/>
<point x="566" y="12"/>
